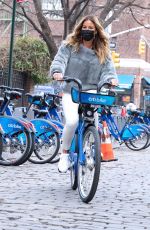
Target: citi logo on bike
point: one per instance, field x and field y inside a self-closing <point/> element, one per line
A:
<point x="45" y="127"/>
<point x="96" y="99"/>
<point x="14" y="126"/>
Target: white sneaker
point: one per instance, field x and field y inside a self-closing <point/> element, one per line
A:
<point x="64" y="163"/>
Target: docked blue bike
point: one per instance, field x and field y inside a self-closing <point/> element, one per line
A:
<point x="17" y="134"/>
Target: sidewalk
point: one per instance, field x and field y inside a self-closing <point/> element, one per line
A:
<point x="37" y="197"/>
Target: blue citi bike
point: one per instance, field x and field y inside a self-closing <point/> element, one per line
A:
<point x="85" y="151"/>
<point x="134" y="136"/>
<point x="16" y="135"/>
<point x="142" y="119"/>
<point x="45" y="107"/>
<point x="47" y="135"/>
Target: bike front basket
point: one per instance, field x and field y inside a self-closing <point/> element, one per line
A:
<point x="91" y="98"/>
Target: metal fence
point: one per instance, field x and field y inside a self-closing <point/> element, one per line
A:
<point x="17" y="81"/>
<point x="17" y="78"/>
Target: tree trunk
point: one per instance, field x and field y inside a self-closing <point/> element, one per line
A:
<point x="47" y="33"/>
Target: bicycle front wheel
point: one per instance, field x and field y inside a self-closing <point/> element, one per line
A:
<point x="16" y="148"/>
<point x="46" y="148"/>
<point x="89" y="171"/>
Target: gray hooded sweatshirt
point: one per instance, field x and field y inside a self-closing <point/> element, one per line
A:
<point x="83" y="65"/>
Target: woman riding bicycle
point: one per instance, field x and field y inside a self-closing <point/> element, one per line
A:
<point x="84" y="55"/>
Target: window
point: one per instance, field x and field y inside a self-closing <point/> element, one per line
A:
<point x="4" y="15"/>
<point x="52" y="9"/>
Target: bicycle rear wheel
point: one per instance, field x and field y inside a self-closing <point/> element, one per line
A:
<point x="16" y="148"/>
<point x="47" y="145"/>
<point x="89" y="172"/>
<point x="139" y="143"/>
<point x="56" y="159"/>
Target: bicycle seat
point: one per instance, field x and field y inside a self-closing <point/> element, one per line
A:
<point x="13" y="94"/>
<point x="53" y="100"/>
<point x="34" y="98"/>
<point x="53" y="95"/>
<point x="135" y="112"/>
<point x="40" y="112"/>
<point x="4" y="87"/>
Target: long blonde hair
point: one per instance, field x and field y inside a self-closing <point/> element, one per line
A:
<point x="100" y="42"/>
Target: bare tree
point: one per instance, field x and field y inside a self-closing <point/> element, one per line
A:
<point x="71" y="14"/>
<point x="116" y="7"/>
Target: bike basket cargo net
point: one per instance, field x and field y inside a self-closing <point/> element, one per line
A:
<point x="91" y="98"/>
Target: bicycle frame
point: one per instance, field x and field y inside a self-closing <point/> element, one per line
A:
<point x="78" y="142"/>
<point x="112" y="126"/>
<point x="54" y="117"/>
<point x="139" y="117"/>
<point x="53" y="114"/>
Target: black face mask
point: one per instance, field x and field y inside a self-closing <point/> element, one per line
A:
<point x="87" y="35"/>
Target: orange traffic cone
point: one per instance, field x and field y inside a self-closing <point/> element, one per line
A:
<point x="106" y="145"/>
<point x="123" y="111"/>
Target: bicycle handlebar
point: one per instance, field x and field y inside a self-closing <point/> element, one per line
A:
<point x="53" y="95"/>
<point x="101" y="84"/>
<point x="79" y="83"/>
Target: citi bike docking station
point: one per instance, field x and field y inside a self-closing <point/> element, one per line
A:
<point x="37" y="135"/>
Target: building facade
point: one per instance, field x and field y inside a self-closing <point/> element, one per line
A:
<point x="127" y="35"/>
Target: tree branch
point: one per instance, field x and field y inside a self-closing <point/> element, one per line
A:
<point x="77" y="3"/>
<point x="137" y="5"/>
<point x="107" y="8"/>
<point x="137" y="19"/>
<point x="117" y="13"/>
<point x="76" y="16"/>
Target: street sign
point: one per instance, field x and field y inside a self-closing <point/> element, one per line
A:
<point x="112" y="45"/>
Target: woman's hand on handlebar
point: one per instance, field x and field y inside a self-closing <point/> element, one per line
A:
<point x="109" y="84"/>
<point x="58" y="76"/>
<point x="114" y="82"/>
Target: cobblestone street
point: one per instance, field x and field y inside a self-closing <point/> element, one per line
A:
<point x="37" y="197"/>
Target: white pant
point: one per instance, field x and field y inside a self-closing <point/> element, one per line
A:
<point x="70" y="110"/>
